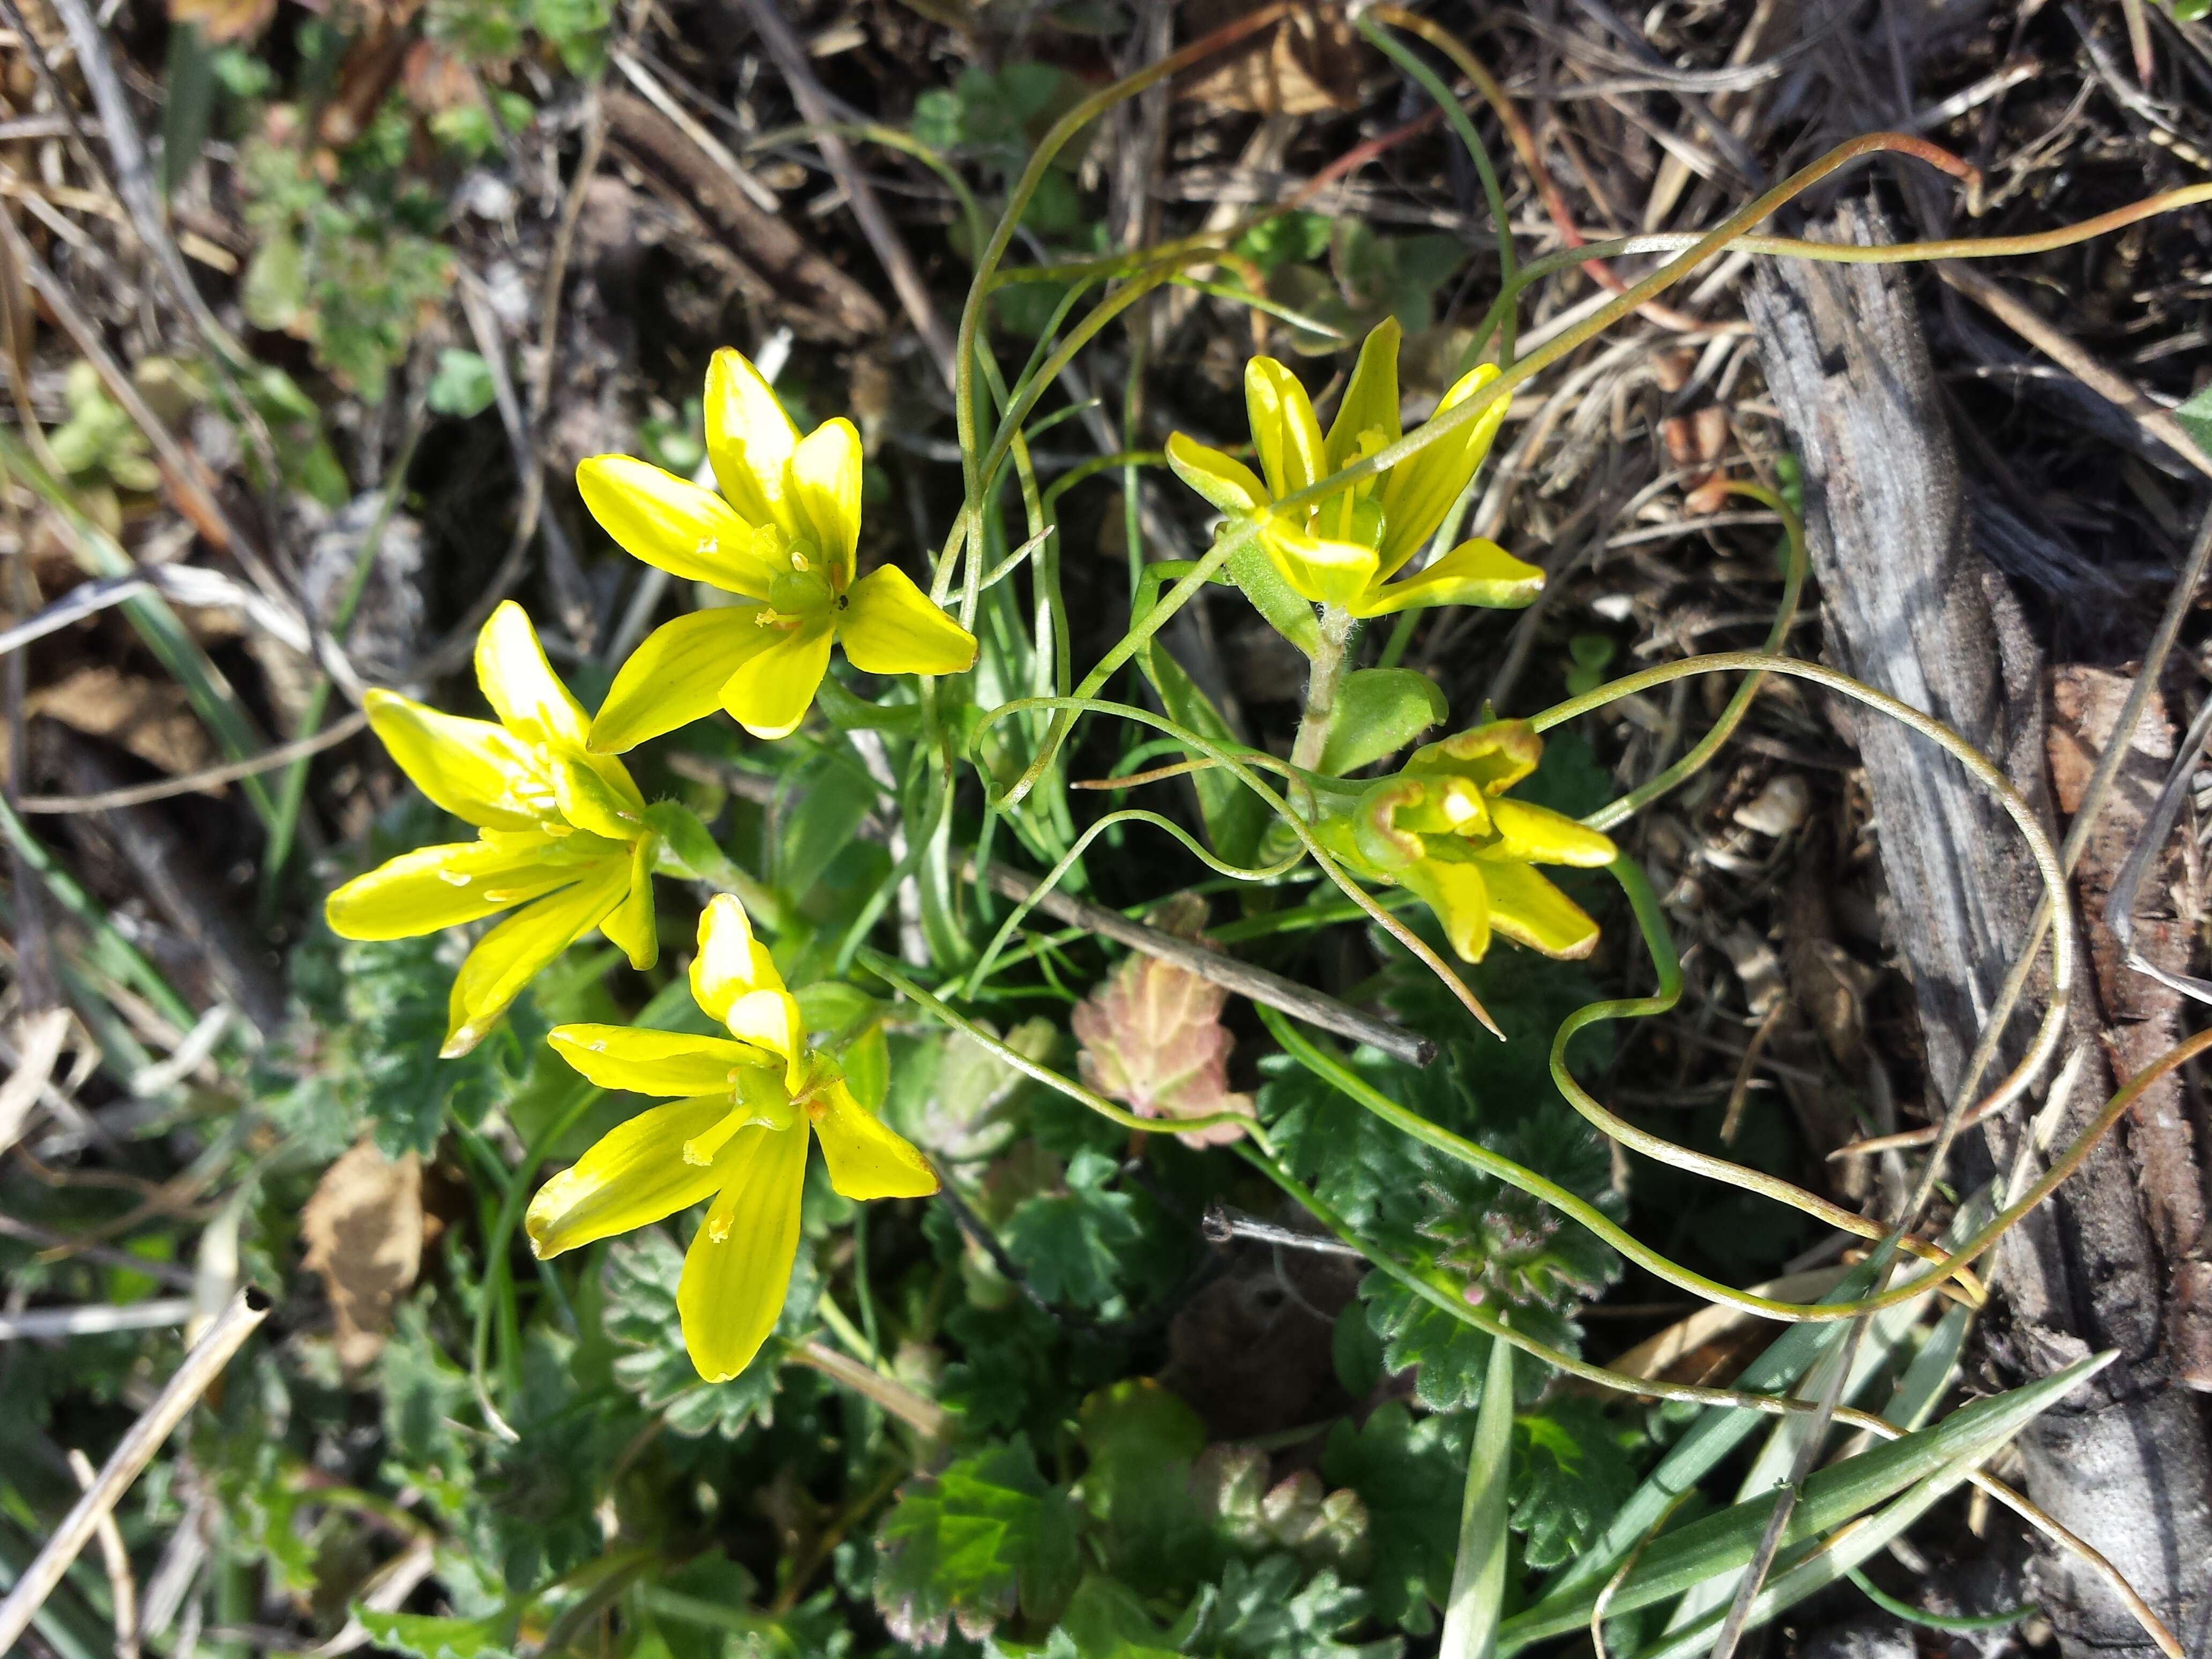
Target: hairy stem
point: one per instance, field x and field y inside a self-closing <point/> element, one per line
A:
<point x="1329" y="658"/>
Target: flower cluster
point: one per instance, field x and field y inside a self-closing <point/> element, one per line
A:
<point x="1343" y="548"/>
<point x="565" y="840"/>
<point x="736" y="1133"/>
<point x="1443" y="829"/>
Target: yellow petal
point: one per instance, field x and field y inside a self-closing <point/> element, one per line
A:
<point x="477" y="771"/>
<point x="889" y="626"/>
<point x="738" y="1269"/>
<point x="644" y="1062"/>
<point x="1474" y="572"/>
<point x="634" y="1175"/>
<point x="1223" y="479"/>
<point x="675" y="676"/>
<point x="825" y="493"/>
<point x="1284" y="428"/>
<point x="510" y="956"/>
<point x="1456" y="891"/>
<point x="631" y="924"/>
<point x="1325" y="571"/>
<point x="521" y="685"/>
<point x="865" y="1159"/>
<point x="749" y="440"/>
<point x="1526" y="906"/>
<point x="436" y="887"/>
<point x="731" y="961"/>
<point x="1371" y="400"/>
<point x="769" y="691"/>
<point x="673" y="524"/>
<point x="1497" y="754"/>
<point x="613" y="811"/>
<point x="1418" y="492"/>
<point x="1537" y="835"/>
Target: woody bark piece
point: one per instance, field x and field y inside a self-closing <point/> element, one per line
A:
<point x="776" y="267"/>
<point x="1911" y="608"/>
<point x="2142" y="1016"/>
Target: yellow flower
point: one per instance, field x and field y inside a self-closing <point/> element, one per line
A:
<point x="559" y="831"/>
<point x="738" y="1133"/>
<point x="1343" y="550"/>
<point x="1443" y="829"/>
<point x="781" y="536"/>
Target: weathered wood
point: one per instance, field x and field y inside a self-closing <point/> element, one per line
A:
<point x="1912" y="609"/>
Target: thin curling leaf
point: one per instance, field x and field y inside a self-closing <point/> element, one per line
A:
<point x="1152" y="1038"/>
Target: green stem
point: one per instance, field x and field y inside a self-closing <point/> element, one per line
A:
<point x="1329" y="659"/>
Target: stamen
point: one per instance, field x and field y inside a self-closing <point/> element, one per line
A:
<point x="701" y="1147"/>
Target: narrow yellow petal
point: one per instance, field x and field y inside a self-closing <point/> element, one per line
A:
<point x="479" y="772"/>
<point x="589" y="801"/>
<point x="1537" y="835"/>
<point x="1474" y="572"/>
<point x="865" y="1159"/>
<point x="824" y="488"/>
<point x="1325" y="571"/>
<point x="731" y="961"/>
<point x="738" y="1269"/>
<point x="437" y="887"/>
<point x="631" y="924"/>
<point x="634" y="1175"/>
<point x="1419" y="490"/>
<point x="1455" y="889"/>
<point x="1526" y="906"/>
<point x="675" y="676"/>
<point x="1497" y="755"/>
<point x="749" y="440"/>
<point x="1284" y="429"/>
<point x="521" y="685"/>
<point x="508" y="958"/>
<point x="889" y="626"/>
<point x="769" y="692"/>
<point x="1371" y="400"/>
<point x="1224" y="480"/>
<point x="673" y="524"/>
<point x="642" y="1062"/>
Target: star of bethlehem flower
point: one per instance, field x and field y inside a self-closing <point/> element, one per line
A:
<point x="781" y="536"/>
<point x="560" y="832"/>
<point x="1344" y="550"/>
<point x="737" y="1133"/>
<point x="1444" y="828"/>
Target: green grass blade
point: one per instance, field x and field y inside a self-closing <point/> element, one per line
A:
<point x="1721" y="1543"/>
<point x="1478" y="1584"/>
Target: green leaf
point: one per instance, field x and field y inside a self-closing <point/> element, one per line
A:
<point x="820" y="806"/>
<point x="275" y="291"/>
<point x="1141" y="1441"/>
<point x="1070" y="1244"/>
<point x="1571" y="1476"/>
<point x="974" y="1545"/>
<point x="1263" y="1612"/>
<point x="1378" y="712"/>
<point x="1235" y="816"/>
<point x="1107" y="1620"/>
<point x="1720" y="1543"/>
<point x="1322" y="1528"/>
<point x="426" y="1637"/>
<point x="2194" y="417"/>
<point x="463" y="385"/>
<point x="1408" y="1472"/>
